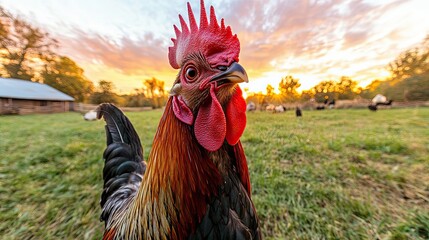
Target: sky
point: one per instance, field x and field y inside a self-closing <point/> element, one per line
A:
<point x="127" y="41"/>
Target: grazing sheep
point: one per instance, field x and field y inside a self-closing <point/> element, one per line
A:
<point x="90" y="116"/>
<point x="387" y="103"/>
<point x="379" y="99"/>
<point x="331" y="104"/>
<point x="298" y="112"/>
<point x="279" y="109"/>
<point x="270" y="107"/>
<point x="372" y="107"/>
<point x="251" y="106"/>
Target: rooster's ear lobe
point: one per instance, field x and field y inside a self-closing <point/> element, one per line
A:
<point x="176" y="89"/>
<point x="182" y="111"/>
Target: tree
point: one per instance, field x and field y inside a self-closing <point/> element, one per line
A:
<point x="151" y="86"/>
<point x="307" y="95"/>
<point x="138" y="99"/>
<point x="65" y="75"/>
<point x="258" y="98"/>
<point x="415" y="88"/>
<point x="4" y="28"/>
<point x="411" y="63"/>
<point x="270" y="90"/>
<point x="346" y="88"/>
<point x="371" y="89"/>
<point x="325" y="90"/>
<point x="23" y="48"/>
<point x="160" y="88"/>
<point x="105" y="93"/>
<point x="410" y="75"/>
<point x="155" y="91"/>
<point x="288" y="88"/>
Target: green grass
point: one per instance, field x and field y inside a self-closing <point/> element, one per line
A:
<point x="338" y="174"/>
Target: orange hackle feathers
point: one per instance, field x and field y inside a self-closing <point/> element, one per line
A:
<point x="184" y="170"/>
<point x="109" y="235"/>
<point x="216" y="43"/>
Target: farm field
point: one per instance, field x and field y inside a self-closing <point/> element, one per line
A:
<point x="333" y="174"/>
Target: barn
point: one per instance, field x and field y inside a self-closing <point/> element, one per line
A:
<point x="25" y="97"/>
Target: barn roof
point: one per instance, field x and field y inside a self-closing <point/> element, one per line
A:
<point x="21" y="89"/>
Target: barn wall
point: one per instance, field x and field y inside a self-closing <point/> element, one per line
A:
<point x="6" y="106"/>
<point x="21" y="106"/>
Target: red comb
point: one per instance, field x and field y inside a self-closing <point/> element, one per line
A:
<point x="216" y="43"/>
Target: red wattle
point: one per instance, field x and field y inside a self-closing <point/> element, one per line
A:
<point x="182" y="111"/>
<point x="235" y="117"/>
<point x="210" y="124"/>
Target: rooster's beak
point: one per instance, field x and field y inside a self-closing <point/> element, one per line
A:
<point x="235" y="73"/>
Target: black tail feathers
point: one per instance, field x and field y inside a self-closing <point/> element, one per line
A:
<point x="124" y="166"/>
<point x="119" y="128"/>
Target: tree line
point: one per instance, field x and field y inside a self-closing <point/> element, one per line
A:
<point x="409" y="81"/>
<point x="344" y="89"/>
<point x="29" y="53"/>
<point x="151" y="94"/>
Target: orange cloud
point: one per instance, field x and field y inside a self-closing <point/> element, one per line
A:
<point x="130" y="56"/>
<point x="314" y="40"/>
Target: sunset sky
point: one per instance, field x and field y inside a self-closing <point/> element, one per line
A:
<point x="127" y="41"/>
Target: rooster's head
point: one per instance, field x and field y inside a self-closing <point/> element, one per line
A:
<point x="205" y="93"/>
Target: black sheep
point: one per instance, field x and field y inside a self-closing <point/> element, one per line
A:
<point x="298" y="112"/>
<point x="384" y="103"/>
<point x="372" y="107"/>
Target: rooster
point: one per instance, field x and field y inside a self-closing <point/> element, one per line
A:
<point x="196" y="182"/>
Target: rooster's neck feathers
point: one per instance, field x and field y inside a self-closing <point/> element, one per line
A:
<point x="217" y="43"/>
<point x="179" y="180"/>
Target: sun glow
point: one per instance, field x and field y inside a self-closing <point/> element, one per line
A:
<point x="311" y="43"/>
<point x="259" y="84"/>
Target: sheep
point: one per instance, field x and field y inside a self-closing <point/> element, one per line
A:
<point x="298" y="112"/>
<point x="251" y="107"/>
<point x="372" y="107"/>
<point x="279" y="109"/>
<point x="331" y="104"/>
<point x="387" y="103"/>
<point x="90" y="116"/>
<point x="379" y="100"/>
<point x="270" y="107"/>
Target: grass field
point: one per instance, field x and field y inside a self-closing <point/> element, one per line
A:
<point x="338" y="174"/>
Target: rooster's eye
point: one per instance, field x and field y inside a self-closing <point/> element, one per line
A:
<point x="191" y="73"/>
